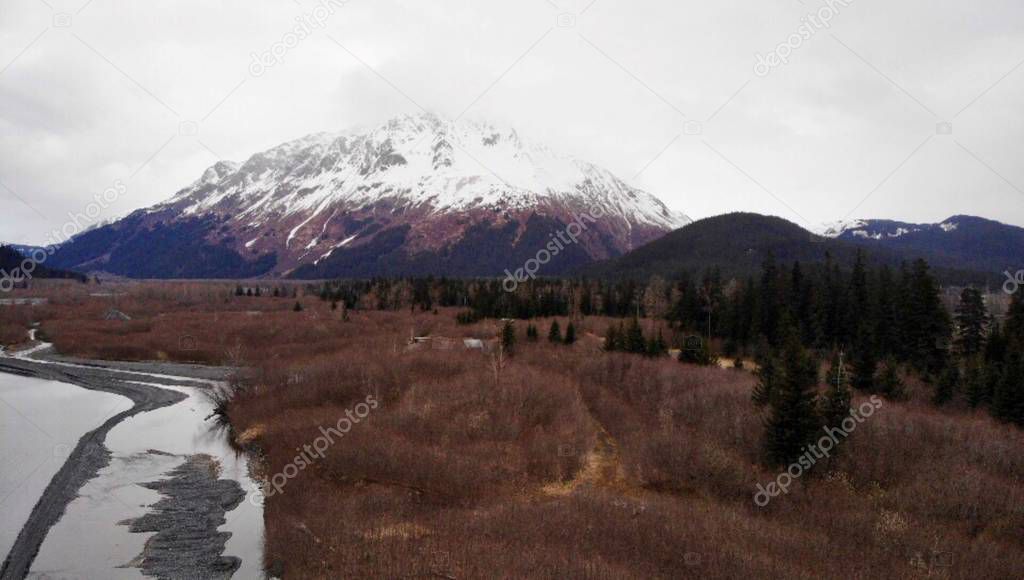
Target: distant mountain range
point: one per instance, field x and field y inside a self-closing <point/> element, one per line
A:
<point x="963" y="242"/>
<point x="418" y="195"/>
<point x="738" y="244"/>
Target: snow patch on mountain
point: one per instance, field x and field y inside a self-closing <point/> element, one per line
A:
<point x="838" y="228"/>
<point x="879" y="229"/>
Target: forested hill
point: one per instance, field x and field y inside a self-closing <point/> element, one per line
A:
<point x="737" y="244"/>
<point x="12" y="262"/>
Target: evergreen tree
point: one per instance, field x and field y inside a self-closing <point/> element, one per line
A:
<point x="802" y="300"/>
<point x="793" y="420"/>
<point x="635" y="341"/>
<point x="508" y="337"/>
<point x="531" y="333"/>
<point x="858" y="313"/>
<point x="926" y="321"/>
<point x="971" y="320"/>
<point x="889" y="382"/>
<point x="298" y="307"/>
<point x="612" y="342"/>
<point x="996" y="346"/>
<point x="887" y="319"/>
<point x="1015" y="316"/>
<point x="836" y="404"/>
<point x="768" y="379"/>
<point x="993" y="377"/>
<point x="865" y="368"/>
<point x="570" y="334"/>
<point x="771" y="303"/>
<point x="949" y="383"/>
<point x="1013" y="329"/>
<point x="239" y="291"/>
<point x="975" y="384"/>
<point x="656" y="346"/>
<point x="1008" y="403"/>
<point x="555" y="334"/>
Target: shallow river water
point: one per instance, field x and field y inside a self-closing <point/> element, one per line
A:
<point x="43" y="420"/>
<point x="40" y="423"/>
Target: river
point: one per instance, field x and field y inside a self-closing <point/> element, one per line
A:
<point x="42" y="422"/>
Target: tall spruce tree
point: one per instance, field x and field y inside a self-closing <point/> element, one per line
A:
<point x="865" y="370"/>
<point x="887" y="326"/>
<point x="1013" y="329"/>
<point x="975" y="384"/>
<point x="1008" y="403"/>
<point x="508" y="337"/>
<point x="947" y="386"/>
<point x="890" y="385"/>
<point x="859" y="303"/>
<point x="793" y="418"/>
<point x="836" y="403"/>
<point x="570" y="334"/>
<point x="612" y="342"/>
<point x="771" y="302"/>
<point x="996" y="346"/>
<point x="656" y="346"/>
<point x="972" y="322"/>
<point x="927" y="324"/>
<point x="635" y="341"/>
<point x="555" y="334"/>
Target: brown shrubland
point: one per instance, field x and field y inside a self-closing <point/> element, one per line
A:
<point x="558" y="461"/>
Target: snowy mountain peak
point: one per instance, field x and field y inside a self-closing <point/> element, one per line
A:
<point x="417" y="193"/>
<point x="417" y="160"/>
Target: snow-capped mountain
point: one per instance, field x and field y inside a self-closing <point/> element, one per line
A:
<point x="961" y="242"/>
<point x="416" y="195"/>
<point x="882" y="229"/>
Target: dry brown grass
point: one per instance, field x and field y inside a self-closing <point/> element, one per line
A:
<point x="457" y="476"/>
<point x="572" y="463"/>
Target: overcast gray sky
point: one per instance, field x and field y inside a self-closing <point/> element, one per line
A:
<point x="662" y="92"/>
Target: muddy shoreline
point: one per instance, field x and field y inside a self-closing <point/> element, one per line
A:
<point x="91" y="455"/>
